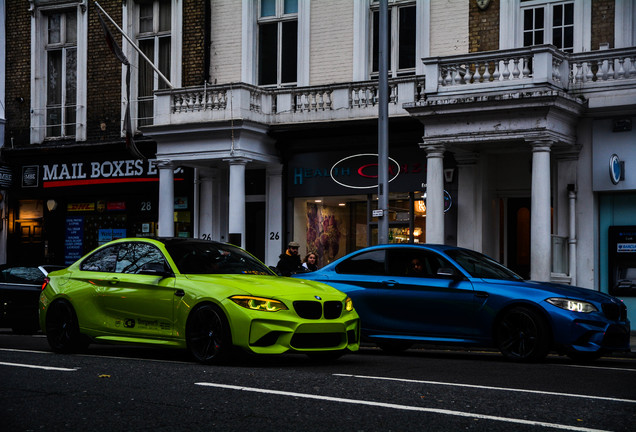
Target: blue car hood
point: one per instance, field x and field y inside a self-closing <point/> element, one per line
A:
<point x="553" y="289"/>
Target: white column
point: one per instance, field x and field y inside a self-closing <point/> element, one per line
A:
<point x="237" y="199"/>
<point x="205" y="205"/>
<point x="469" y="232"/>
<point x="540" y="240"/>
<point x="274" y="214"/>
<point x="434" y="194"/>
<point x="166" y="198"/>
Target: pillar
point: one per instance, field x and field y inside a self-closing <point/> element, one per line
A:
<point x="237" y="201"/>
<point x="274" y="214"/>
<point x="206" y="193"/>
<point x="469" y="210"/>
<point x="166" y="198"/>
<point x="434" y="193"/>
<point x="540" y="226"/>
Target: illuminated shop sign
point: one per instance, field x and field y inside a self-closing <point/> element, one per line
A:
<point x="52" y="175"/>
<point x="340" y="173"/>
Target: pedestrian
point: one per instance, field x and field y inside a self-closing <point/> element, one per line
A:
<point x="289" y="262"/>
<point x="310" y="262"/>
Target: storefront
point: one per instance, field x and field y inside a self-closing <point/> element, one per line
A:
<point x="65" y="204"/>
<point x="615" y="183"/>
<point x="333" y="195"/>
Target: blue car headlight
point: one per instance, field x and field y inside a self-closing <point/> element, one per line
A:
<point x="572" y="305"/>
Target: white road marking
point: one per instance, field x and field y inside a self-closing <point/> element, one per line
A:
<point x="28" y="351"/>
<point x="601" y="367"/>
<point x="402" y="407"/>
<point x="489" y="388"/>
<point x="37" y="367"/>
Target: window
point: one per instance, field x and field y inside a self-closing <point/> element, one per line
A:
<point x="135" y="257"/>
<point x="58" y="71"/>
<point x="412" y="262"/>
<point x="402" y="36"/>
<point x="103" y="260"/>
<point x="61" y="72"/>
<point x="154" y="40"/>
<point x="277" y="42"/>
<point x="366" y="263"/>
<point x="548" y="23"/>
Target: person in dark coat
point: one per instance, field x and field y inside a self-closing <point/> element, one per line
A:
<point x="289" y="262"/>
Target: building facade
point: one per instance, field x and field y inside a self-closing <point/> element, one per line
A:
<point x="510" y="129"/>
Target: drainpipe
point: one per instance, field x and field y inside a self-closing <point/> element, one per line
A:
<point x="572" y="239"/>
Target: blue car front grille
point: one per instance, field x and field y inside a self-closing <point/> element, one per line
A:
<point x="615" y="312"/>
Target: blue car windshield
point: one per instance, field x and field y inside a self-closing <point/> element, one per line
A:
<point x="201" y="257"/>
<point x="481" y="266"/>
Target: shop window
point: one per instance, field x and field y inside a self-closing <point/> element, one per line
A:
<point x="278" y="42"/>
<point x="401" y="34"/>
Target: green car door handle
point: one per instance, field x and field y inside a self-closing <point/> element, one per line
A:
<point x="179" y="293"/>
<point x="113" y="281"/>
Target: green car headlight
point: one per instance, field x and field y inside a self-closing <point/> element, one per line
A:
<point x="572" y="305"/>
<point x="348" y="304"/>
<point x="259" y="303"/>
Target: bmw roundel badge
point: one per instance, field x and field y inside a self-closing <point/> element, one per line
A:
<point x="317" y="297"/>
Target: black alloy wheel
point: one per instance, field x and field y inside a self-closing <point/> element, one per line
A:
<point x="523" y="335"/>
<point x="208" y="335"/>
<point x="62" y="328"/>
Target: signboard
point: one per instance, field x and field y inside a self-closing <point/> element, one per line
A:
<point x="6" y="177"/>
<point x="74" y="242"/>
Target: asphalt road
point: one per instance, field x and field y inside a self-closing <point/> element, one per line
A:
<point x="116" y="388"/>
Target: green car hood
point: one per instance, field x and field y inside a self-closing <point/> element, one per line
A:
<point x="269" y="286"/>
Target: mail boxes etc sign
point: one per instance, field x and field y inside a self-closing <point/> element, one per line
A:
<point x="89" y="173"/>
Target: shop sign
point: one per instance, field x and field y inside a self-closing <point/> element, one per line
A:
<point x="6" y="176"/>
<point x="91" y="173"/>
<point x="30" y="176"/>
<point x="365" y="173"/>
<point x="74" y="240"/>
<point x="80" y="207"/>
<point x="616" y="169"/>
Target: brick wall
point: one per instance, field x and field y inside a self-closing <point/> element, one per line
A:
<point x="602" y="23"/>
<point x="331" y="42"/>
<point x="225" y="55"/>
<point x="104" y="75"/>
<point x="18" y="73"/>
<point x="193" y="50"/>
<point x="449" y="27"/>
<point x="483" y="27"/>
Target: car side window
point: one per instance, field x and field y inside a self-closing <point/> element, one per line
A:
<point x="103" y="260"/>
<point x="367" y="263"/>
<point x="135" y="257"/>
<point x="25" y="275"/>
<point x="415" y="263"/>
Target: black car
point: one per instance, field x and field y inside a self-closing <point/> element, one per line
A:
<point x="20" y="288"/>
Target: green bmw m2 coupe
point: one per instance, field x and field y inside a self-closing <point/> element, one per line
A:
<point x="204" y="296"/>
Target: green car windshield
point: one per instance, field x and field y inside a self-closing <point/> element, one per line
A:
<point x="481" y="266"/>
<point x="201" y="257"/>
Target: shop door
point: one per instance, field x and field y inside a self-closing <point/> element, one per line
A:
<point x="518" y="257"/>
<point x="255" y="229"/>
<point x="31" y="250"/>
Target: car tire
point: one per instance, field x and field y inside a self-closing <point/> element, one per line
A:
<point x="62" y="328"/>
<point x="208" y="335"/>
<point x="394" y="347"/>
<point x="523" y="335"/>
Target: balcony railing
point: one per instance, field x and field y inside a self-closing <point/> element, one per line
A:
<point x="514" y="71"/>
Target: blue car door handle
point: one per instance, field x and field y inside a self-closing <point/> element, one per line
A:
<point x="390" y="283"/>
<point x="481" y="294"/>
